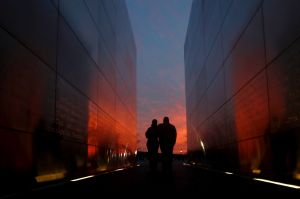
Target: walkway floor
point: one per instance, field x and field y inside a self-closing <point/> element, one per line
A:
<point x="185" y="181"/>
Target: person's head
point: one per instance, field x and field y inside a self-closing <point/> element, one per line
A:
<point x="166" y="120"/>
<point x="154" y="122"/>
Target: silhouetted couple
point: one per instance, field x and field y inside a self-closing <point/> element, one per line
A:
<point x="163" y="136"/>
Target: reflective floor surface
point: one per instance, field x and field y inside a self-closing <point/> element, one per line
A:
<point x="138" y="182"/>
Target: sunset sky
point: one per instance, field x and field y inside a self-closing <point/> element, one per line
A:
<point x="159" y="28"/>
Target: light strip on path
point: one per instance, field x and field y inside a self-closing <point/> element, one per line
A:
<point x="278" y="183"/>
<point x="186" y="164"/>
<point x="229" y="173"/>
<point x="119" y="169"/>
<point x="77" y="179"/>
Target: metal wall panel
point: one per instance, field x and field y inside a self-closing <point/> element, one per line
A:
<point x="247" y="119"/>
<point x="281" y="20"/>
<point x="27" y="87"/>
<point x="75" y="64"/>
<point x="67" y="90"/>
<point x="214" y="60"/>
<point x="238" y="16"/>
<point x="247" y="59"/>
<point x="79" y="19"/>
<point x="284" y="87"/>
<point x="212" y="23"/>
<point x="34" y="24"/>
<point x="216" y="93"/>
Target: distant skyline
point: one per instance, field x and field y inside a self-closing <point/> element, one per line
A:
<point x="159" y="28"/>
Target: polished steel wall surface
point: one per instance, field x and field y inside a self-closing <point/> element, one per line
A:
<point x="242" y="86"/>
<point x="67" y="88"/>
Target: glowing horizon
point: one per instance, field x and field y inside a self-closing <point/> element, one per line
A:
<point x="177" y="118"/>
<point x="159" y="29"/>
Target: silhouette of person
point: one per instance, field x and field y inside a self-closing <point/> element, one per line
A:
<point x="167" y="139"/>
<point x="152" y="144"/>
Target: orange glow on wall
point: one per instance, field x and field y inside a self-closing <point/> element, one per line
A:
<point x="252" y="115"/>
<point x="92" y="130"/>
<point x="250" y="112"/>
<point x="24" y="116"/>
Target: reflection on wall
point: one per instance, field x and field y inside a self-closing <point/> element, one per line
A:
<point x="67" y="89"/>
<point x="242" y="82"/>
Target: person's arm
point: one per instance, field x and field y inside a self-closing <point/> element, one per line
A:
<point x="147" y="133"/>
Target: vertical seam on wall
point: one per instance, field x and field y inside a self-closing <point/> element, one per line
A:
<point x="56" y="71"/>
<point x="226" y="57"/>
<point x="224" y="83"/>
<point x="206" y="57"/>
<point x="202" y="68"/>
<point x="108" y="52"/>
<point x="266" y="71"/>
<point x="24" y="45"/>
<point x="106" y="78"/>
<point x="219" y="32"/>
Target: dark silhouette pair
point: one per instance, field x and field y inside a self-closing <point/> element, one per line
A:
<point x="164" y="136"/>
